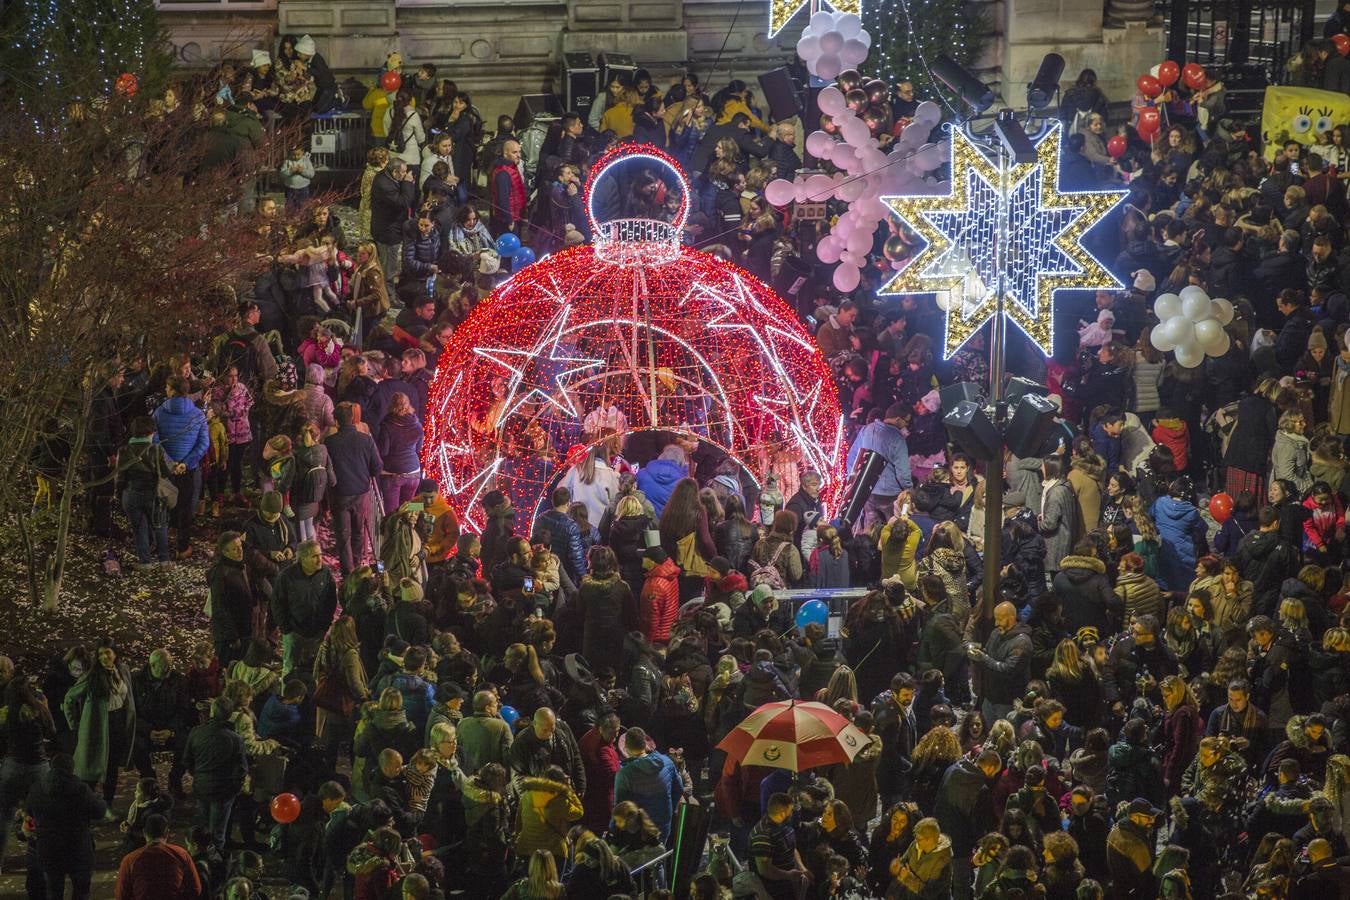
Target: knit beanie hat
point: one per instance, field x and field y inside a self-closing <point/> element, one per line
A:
<point x="259" y="58"/>
<point x="305" y="45"/>
<point x="1317" y="340"/>
<point x="409" y="590"/>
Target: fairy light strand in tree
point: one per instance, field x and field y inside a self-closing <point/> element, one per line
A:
<point x="907" y="33"/>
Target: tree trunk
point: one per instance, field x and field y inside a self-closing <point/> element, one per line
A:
<point x="56" y="563"/>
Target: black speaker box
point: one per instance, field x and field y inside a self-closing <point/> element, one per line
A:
<point x="953" y="394"/>
<point x="546" y="107"/>
<point x="581" y="81"/>
<point x="969" y="427"/>
<point x="780" y="92"/>
<point x="1019" y="387"/>
<point x="1033" y="419"/>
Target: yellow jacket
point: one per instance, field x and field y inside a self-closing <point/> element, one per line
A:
<point x="618" y="119"/>
<point x="897" y="556"/>
<point x="376" y="102"/>
<point x="738" y="106"/>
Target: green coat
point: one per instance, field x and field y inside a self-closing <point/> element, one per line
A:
<point x="88" y="717"/>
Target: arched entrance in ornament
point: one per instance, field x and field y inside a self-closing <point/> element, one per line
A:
<point x="656" y="336"/>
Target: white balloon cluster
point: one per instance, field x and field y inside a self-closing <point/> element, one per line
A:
<point x="1191" y="325"/>
<point x="832" y="43"/>
<point x="867" y="172"/>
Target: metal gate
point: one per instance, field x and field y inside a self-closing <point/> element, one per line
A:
<point x="1239" y="34"/>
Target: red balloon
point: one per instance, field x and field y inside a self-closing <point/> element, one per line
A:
<point x="127" y="84"/>
<point x="1342" y="42"/>
<point x="391" y="81"/>
<point x="1193" y="75"/>
<point x="1168" y="73"/>
<point x="1221" y="507"/>
<point x="1150" y="120"/>
<point x="1149" y="86"/>
<point x="286" y="807"/>
<point x="1116" y="146"/>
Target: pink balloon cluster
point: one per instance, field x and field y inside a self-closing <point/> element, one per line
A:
<point x="866" y="174"/>
<point x="833" y="42"/>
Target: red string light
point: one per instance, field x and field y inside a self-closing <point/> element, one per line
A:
<point x="695" y="345"/>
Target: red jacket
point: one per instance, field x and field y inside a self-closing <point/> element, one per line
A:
<point x="1322" y="524"/>
<point x="158" y="872"/>
<point x="602" y="764"/>
<point x="660" y="601"/>
<point x="1175" y="436"/>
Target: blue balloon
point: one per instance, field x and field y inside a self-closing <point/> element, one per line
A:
<point x="510" y="715"/>
<point x="508" y="244"/>
<point x="524" y="256"/>
<point x="812" y="612"/>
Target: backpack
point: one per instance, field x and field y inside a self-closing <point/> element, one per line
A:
<point x="767" y="573"/>
<point x="236" y="351"/>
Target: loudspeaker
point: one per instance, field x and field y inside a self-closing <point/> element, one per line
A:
<point x="612" y="61"/>
<point x="545" y="107"/>
<point x="969" y="427"/>
<point x="867" y="469"/>
<point x="1032" y="421"/>
<point x="690" y="833"/>
<point x="1019" y="387"/>
<point x="953" y="394"/>
<point x="581" y="81"/>
<point x="780" y="92"/>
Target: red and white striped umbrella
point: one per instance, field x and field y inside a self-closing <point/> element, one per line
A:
<point x="794" y="735"/>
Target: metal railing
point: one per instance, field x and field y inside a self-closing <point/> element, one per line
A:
<point x="651" y="875"/>
<point x="1221" y="33"/>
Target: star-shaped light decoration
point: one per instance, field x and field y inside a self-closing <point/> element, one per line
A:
<point x="1044" y="252"/>
<point x="780" y="11"/>
<point x="541" y="371"/>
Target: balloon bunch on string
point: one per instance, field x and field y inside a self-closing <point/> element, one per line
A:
<point x="1191" y="325"/>
<point x="854" y="116"/>
<point x="1153" y="85"/>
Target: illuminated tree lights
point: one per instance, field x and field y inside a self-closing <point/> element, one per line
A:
<point x="1043" y="251"/>
<point x="695" y="345"/>
<point x="781" y="11"/>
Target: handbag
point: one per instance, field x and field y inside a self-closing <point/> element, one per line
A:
<point x="332" y="694"/>
<point x="690" y="560"/>
<point x="166" y="492"/>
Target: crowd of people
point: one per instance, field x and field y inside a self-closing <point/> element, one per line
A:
<point x="1154" y="704"/>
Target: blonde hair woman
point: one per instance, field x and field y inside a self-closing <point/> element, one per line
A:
<point x="369" y="291"/>
<point x="1073" y="682"/>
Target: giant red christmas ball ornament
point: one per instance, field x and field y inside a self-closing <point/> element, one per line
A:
<point x="678" y="340"/>
<point x="127" y="84"/>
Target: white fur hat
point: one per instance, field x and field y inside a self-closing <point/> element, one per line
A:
<point x="259" y="58"/>
<point x="1144" y="281"/>
<point x="305" y="45"/>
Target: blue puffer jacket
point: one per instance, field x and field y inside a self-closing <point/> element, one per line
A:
<point x="182" y="431"/>
<point x="1183" y="533"/>
<point x="649" y="781"/>
<point x="566" y="542"/>
<point x="419" y="696"/>
<point x="657" y="480"/>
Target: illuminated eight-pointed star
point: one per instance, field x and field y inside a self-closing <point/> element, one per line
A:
<point x="1044" y="251"/>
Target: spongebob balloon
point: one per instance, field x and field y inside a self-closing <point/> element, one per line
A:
<point x="1300" y="114"/>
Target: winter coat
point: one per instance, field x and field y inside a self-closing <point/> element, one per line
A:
<point x="963" y="806"/>
<point x="1132" y="771"/>
<point x="1182" y="533"/>
<point x="1005" y="664"/>
<point x="607" y="612"/>
<point x="400" y="444"/>
<point x="855" y="782"/>
<point x="926" y="876"/>
<point x="1060" y="523"/>
<point x="391" y="204"/>
<point x="231" y="597"/>
<point x="547" y="811"/>
<point x="1182" y="729"/>
<point x="216" y="759"/>
<point x="182" y="431"/>
<point x="1339" y="406"/>
<point x="1265" y="560"/>
<point x="88" y="716"/>
<point x="950" y="566"/>
<point x="783" y="554"/>
<point x="1139" y="595"/>
<point x="483" y="739"/>
<point x="1290" y="458"/>
<point x="602" y="764"/>
<point x="651" y="781"/>
<point x="657" y="480"/>
<point x="1082" y="585"/>
<point x="1175" y="436"/>
<point x="64" y="811"/>
<point x="1129" y="851"/>
<point x="566" y="543"/>
<point x="1147" y="377"/>
<point x="1253" y="435"/>
<point x="314" y="475"/>
<point x="599" y="495"/>
<point x="1085" y="477"/>
<point x="660" y="602"/>
<point x="1024" y="475"/>
<point x="231" y="405"/>
<point x="899" y="542"/>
